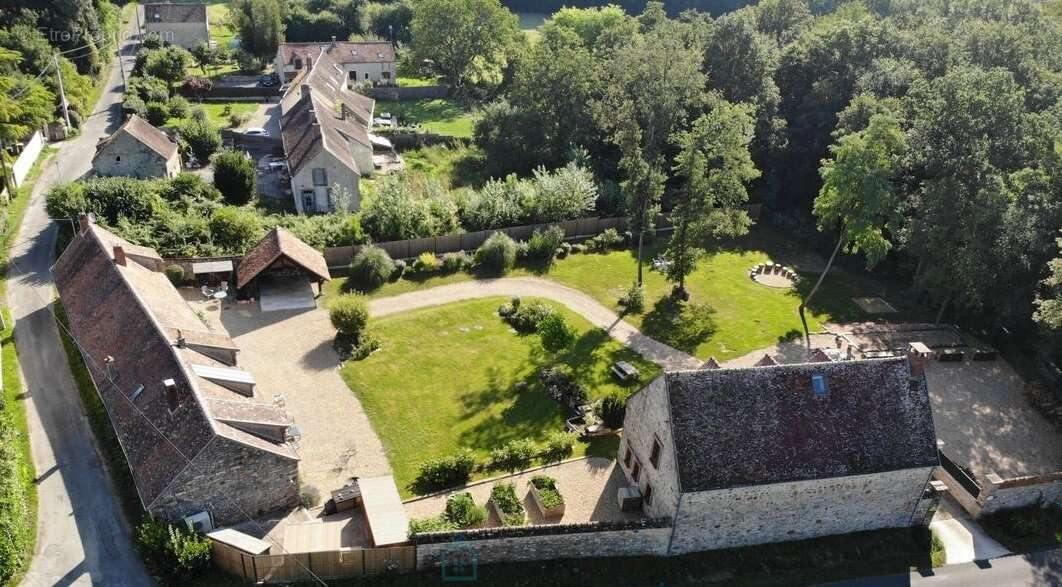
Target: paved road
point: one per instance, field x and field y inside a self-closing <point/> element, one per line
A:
<point x="1041" y="568"/>
<point x="81" y="538"/>
<point x="667" y="357"/>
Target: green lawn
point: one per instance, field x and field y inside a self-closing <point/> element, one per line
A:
<point x="220" y="31"/>
<point x="218" y="112"/>
<point x="736" y="315"/>
<point x="441" y="115"/>
<point x="446" y="378"/>
<point x="457" y="166"/>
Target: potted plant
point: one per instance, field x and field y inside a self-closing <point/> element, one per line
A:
<point x="548" y="499"/>
<point x="506" y="505"/>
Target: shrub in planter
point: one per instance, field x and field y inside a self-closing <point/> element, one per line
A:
<point x="426" y="263"/>
<point x="454" y="262"/>
<point x="613" y="409"/>
<point x="349" y="314"/>
<point x="445" y="472"/>
<point x="505" y="503"/>
<point x="561" y="386"/>
<point x="172" y="554"/>
<point x="634" y="300"/>
<point x="555" y="333"/>
<point x="558" y="446"/>
<point x="175" y="273"/>
<point x="371" y="268"/>
<point x="497" y="254"/>
<point x="526" y="318"/>
<point x="462" y="511"/>
<point x="546" y="495"/>
<point x="513" y="456"/>
<point x="544" y="244"/>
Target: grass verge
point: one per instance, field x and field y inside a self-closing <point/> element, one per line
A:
<point x="1026" y="529"/>
<point x="18" y="492"/>
<point x="440" y="115"/>
<point x="475" y="384"/>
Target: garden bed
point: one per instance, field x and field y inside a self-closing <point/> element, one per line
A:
<point x="546" y="496"/>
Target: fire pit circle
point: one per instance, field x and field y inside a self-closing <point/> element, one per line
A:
<point x="774" y="275"/>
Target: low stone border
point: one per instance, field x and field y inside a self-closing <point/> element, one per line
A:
<point x="540" y="530"/>
<point x="764" y="273"/>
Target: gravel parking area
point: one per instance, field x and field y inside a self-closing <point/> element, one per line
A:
<point x="588" y="485"/>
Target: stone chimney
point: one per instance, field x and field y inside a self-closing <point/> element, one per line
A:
<point x="918" y="357"/>
<point x="342" y="111"/>
<point x="84" y="221"/>
<point x="119" y="255"/>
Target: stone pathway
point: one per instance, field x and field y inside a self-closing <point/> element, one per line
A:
<point x="666" y="356"/>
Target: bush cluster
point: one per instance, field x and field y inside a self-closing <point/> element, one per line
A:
<point x="503" y="496"/>
<point x="515" y="455"/>
<point x="555" y="333"/>
<point x="606" y="241"/>
<point x="543" y="245"/>
<point x="426" y="262"/>
<point x="446" y="472"/>
<point x="497" y="254"/>
<point x="562" y="386"/>
<point x="612" y="410"/>
<point x="566" y="193"/>
<point x="371" y="267"/>
<point x="173" y="555"/>
<point x="462" y="511"/>
<point x="454" y="262"/>
<point x="349" y="314"/>
<point x="525" y="318"/>
<point x="558" y="446"/>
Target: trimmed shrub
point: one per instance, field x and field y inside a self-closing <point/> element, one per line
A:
<point x="366" y="344"/>
<point x="445" y="472"/>
<point x="526" y="318"/>
<point x="178" y="107"/>
<point x="561" y="386"/>
<point x="503" y="496"/>
<point x="175" y="273"/>
<point x="156" y="113"/>
<point x="558" y="446"/>
<point x="173" y="555"/>
<point x="633" y="301"/>
<point x="604" y="242"/>
<point x="497" y="254"/>
<point x="349" y="314"/>
<point x="309" y="496"/>
<point x="454" y="262"/>
<point x="462" y="511"/>
<point x="515" y="455"/>
<point x="544" y="244"/>
<point x="613" y="409"/>
<point x="426" y="263"/>
<point x="548" y="493"/>
<point x="238" y="119"/>
<point x="371" y="268"/>
<point x="555" y="333"/>
<point x="234" y="176"/>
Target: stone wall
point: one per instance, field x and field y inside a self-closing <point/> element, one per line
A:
<point x="186" y="34"/>
<point x="125" y="156"/>
<point x="556" y="541"/>
<point x="799" y="510"/>
<point x="998" y="494"/>
<point x="225" y="475"/>
<point x="648" y="419"/>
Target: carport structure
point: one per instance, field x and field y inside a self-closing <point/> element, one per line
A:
<point x="280" y="272"/>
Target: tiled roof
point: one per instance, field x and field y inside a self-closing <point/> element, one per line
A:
<point x="174" y="13"/>
<point x="347" y="52"/>
<point x="145" y="134"/>
<point x="312" y="123"/>
<point x="759" y="425"/>
<point x="130" y="313"/>
<point x="766" y="361"/>
<point x="279" y="242"/>
<point x="819" y="356"/>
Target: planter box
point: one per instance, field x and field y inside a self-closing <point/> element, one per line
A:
<point x="553" y="512"/>
<point x="501" y="515"/>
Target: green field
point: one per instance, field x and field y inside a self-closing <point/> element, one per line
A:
<point x="441" y="116"/>
<point x="446" y="378"/>
<point x="220" y="31"/>
<point x="737" y="315"/>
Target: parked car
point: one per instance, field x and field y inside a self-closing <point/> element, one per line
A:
<point x="256" y="132"/>
<point x="268" y="80"/>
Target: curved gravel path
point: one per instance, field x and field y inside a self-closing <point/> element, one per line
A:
<point x="666" y="356"/>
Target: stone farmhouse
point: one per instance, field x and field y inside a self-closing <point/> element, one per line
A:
<point x="180" y="24"/>
<point x="766" y="454"/>
<point x="325" y="132"/>
<point x="360" y="61"/>
<point x="137" y="149"/>
<point x="196" y="434"/>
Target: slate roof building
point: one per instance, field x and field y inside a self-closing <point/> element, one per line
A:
<point x="360" y="61"/>
<point x="325" y="133"/>
<point x="190" y="421"/>
<point x="181" y="24"/>
<point x="787" y="452"/>
<point x="137" y="149"/>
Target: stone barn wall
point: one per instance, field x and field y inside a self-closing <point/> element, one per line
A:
<point x="998" y="494"/>
<point x="646" y="420"/>
<point x="546" y="542"/>
<point x="799" y="510"/>
<point x="226" y="472"/>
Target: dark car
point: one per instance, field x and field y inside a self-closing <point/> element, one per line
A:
<point x="267" y="81"/>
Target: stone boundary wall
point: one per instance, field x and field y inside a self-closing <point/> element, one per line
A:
<point x="546" y="542"/>
<point x="998" y="494"/>
<point x="21" y="167"/>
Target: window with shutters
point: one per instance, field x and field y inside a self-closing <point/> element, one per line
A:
<point x="654" y="457"/>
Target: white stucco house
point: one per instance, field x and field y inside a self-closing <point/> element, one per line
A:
<point x="787" y="452"/>
<point x="185" y="24"/>
<point x="325" y="132"/>
<point x="360" y="61"/>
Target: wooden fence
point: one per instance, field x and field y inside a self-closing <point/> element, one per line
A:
<point x="470" y="241"/>
<point x="285" y="568"/>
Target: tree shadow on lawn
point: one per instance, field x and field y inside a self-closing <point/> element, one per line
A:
<point x="683" y="325"/>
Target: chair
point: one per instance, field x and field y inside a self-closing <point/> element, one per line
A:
<point x="206" y="292"/>
<point x="224" y="286"/>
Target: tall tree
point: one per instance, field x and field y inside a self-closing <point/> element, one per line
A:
<point x="857" y="198"/>
<point x="649" y="88"/>
<point x="260" y="24"/>
<point x="466" y="40"/>
<point x="1049" y="303"/>
<point x="714" y="165"/>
